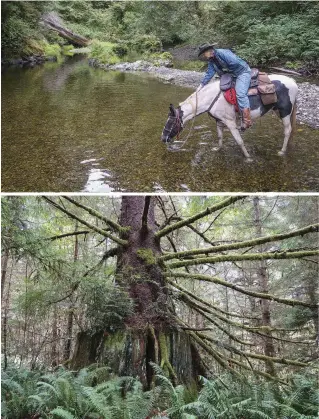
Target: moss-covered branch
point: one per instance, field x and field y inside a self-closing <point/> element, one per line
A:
<point x="208" y="348"/>
<point x="258" y="330"/>
<point x="219" y="281"/>
<point x="206" y="303"/>
<point x="247" y="243"/>
<point x="243" y="257"/>
<point x="211" y="351"/>
<point x="96" y="214"/>
<point x="227" y="362"/>
<point x="190" y="220"/>
<point x="229" y="334"/>
<point x="261" y="357"/>
<point x="87" y="224"/>
<point x="257" y="372"/>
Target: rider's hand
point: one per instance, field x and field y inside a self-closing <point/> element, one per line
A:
<point x="199" y="88"/>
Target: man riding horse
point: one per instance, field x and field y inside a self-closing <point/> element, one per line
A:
<point x="224" y="60"/>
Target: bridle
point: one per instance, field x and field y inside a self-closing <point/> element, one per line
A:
<point x="175" y="120"/>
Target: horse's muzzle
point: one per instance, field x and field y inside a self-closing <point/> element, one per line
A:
<point x="166" y="139"/>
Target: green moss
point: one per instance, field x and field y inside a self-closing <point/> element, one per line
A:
<point x="66" y="50"/>
<point x="147" y="255"/>
<point x="52" y="50"/>
<point x="115" y="341"/>
<point x="165" y="363"/>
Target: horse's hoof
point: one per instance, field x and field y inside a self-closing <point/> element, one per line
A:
<point x="281" y="153"/>
<point x="216" y="148"/>
<point x="249" y="160"/>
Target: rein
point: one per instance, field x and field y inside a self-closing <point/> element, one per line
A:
<point x="178" y="119"/>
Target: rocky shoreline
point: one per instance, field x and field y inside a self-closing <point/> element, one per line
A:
<point x="32" y="60"/>
<point x="308" y="97"/>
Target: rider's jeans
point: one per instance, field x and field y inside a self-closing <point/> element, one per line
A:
<point x="242" y="86"/>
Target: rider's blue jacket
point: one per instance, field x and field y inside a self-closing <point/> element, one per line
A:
<point x="228" y="61"/>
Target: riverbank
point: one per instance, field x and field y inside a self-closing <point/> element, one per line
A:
<point x="308" y="96"/>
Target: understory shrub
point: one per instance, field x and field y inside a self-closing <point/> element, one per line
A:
<point x="280" y="39"/>
<point x="104" y="52"/>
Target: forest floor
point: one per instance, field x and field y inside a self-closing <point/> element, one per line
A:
<point x="308" y="96"/>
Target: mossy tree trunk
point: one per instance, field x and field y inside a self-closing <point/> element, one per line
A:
<point x="150" y="333"/>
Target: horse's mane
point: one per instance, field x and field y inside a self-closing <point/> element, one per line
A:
<point x="213" y="83"/>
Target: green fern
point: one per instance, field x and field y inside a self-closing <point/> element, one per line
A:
<point x="59" y="412"/>
<point x="93" y="393"/>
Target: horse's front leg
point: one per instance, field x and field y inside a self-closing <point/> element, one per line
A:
<point x="288" y="129"/>
<point x="235" y="133"/>
<point x="220" y="132"/>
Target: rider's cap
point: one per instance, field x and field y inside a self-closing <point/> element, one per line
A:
<point x="204" y="47"/>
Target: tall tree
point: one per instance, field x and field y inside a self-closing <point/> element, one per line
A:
<point x="139" y="309"/>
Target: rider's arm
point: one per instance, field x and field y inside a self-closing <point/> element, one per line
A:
<point x="209" y="73"/>
<point x="231" y="59"/>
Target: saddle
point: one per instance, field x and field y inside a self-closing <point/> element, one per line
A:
<point x="260" y="84"/>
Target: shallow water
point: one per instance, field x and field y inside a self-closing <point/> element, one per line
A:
<point x="70" y="127"/>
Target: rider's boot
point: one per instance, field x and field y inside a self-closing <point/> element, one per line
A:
<point x="246" y="119"/>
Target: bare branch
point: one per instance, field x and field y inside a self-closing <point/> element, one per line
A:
<point x="145" y="212"/>
<point x="87" y="224"/>
<point x="96" y="214"/>
<point x="61" y="236"/>
<point x="190" y="220"/>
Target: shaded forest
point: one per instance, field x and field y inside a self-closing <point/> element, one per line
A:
<point x="152" y="307"/>
<point x="260" y="32"/>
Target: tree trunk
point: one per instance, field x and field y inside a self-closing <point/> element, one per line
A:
<point x="54" y="345"/>
<point x="69" y="329"/>
<point x="4" y="266"/>
<point x="149" y="335"/>
<point x="52" y="21"/>
<point x="262" y="274"/>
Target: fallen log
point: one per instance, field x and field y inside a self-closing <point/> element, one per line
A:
<point x="285" y="70"/>
<point x="53" y="21"/>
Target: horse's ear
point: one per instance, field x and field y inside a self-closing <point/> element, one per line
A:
<point x="172" y="109"/>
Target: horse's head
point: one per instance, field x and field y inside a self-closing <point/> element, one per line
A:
<point x="174" y="124"/>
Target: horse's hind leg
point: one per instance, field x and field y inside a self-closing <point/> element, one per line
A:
<point x="220" y="131"/>
<point x="288" y="129"/>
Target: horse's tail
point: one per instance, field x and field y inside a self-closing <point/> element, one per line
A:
<point x="293" y="120"/>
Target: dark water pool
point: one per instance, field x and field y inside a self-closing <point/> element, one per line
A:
<point x="69" y="127"/>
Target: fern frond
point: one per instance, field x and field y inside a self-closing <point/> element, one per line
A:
<point x="59" y="412"/>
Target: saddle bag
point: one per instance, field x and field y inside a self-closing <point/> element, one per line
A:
<point x="226" y="82"/>
<point x="254" y="77"/>
<point x="266" y="89"/>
